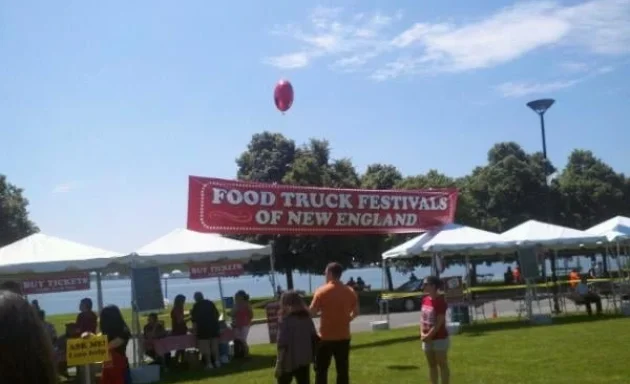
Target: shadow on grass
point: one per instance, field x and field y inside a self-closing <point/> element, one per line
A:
<point x="384" y="343"/>
<point x="402" y="367"/>
<point x="252" y="363"/>
<point x="480" y="329"/>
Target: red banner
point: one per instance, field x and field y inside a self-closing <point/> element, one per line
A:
<point x="221" y="269"/>
<point x="62" y="282"/>
<point x="237" y="207"/>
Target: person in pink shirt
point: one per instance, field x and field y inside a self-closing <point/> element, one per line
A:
<point x="242" y="316"/>
<point x="435" y="342"/>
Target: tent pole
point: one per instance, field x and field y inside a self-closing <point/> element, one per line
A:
<point x="383" y="266"/>
<point x="272" y="269"/>
<point x="99" y="292"/>
<point x="619" y="260"/>
<point x="468" y="269"/>
<point x="222" y="301"/>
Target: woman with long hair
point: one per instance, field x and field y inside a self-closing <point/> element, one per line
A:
<point x="435" y="342"/>
<point x="26" y="353"/>
<point x="178" y="323"/>
<point x="296" y="340"/>
<point x="116" y="370"/>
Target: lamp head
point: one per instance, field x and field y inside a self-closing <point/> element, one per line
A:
<point x="541" y="106"/>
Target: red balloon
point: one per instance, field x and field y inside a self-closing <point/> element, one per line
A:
<point x="283" y="95"/>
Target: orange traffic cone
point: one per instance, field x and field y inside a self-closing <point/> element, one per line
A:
<point x="494" y="311"/>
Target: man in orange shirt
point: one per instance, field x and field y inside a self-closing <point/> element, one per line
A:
<point x="338" y="305"/>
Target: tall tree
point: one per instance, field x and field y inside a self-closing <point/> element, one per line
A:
<point x="313" y="167"/>
<point x="268" y="158"/>
<point x="590" y="190"/>
<point x="380" y="176"/>
<point x="509" y="190"/>
<point x="14" y="221"/>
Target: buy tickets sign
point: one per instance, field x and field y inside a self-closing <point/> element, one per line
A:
<point x="220" y="269"/>
<point x="87" y="351"/>
<point x="58" y="282"/>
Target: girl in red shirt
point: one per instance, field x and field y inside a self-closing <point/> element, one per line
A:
<point x="242" y="316"/>
<point x="433" y="331"/>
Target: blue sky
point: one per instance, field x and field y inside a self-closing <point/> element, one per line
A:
<point x="106" y="108"/>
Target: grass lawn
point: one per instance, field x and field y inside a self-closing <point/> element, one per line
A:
<point x="574" y="350"/>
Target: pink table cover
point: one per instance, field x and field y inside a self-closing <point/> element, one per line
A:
<point x="175" y="343"/>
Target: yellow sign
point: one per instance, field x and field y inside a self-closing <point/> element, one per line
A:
<point x="87" y="351"/>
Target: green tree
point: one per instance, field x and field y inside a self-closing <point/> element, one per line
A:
<point x="313" y="167"/>
<point x="271" y="157"/>
<point x="509" y="190"/>
<point x="380" y="176"/>
<point x="591" y="191"/>
<point x="14" y="221"/>
<point x="268" y="158"/>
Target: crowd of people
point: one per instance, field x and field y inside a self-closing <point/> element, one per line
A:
<point x="27" y="343"/>
<point x="30" y="348"/>
<point x="27" y="352"/>
<point x="300" y="345"/>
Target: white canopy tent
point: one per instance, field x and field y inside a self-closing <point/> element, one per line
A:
<point x="460" y="239"/>
<point x="617" y="228"/>
<point x="183" y="246"/>
<point x="617" y="231"/>
<point x="451" y="239"/>
<point x="41" y="253"/>
<point x="410" y="248"/>
<point x="551" y="236"/>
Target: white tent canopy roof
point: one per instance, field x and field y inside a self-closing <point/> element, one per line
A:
<point x="614" y="229"/>
<point x="39" y="253"/>
<point x="449" y="239"/>
<point x="183" y="246"/>
<point x="409" y="248"/>
<point x="614" y="236"/>
<point x="455" y="238"/>
<point x="532" y="233"/>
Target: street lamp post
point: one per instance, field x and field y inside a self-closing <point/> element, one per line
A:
<point x="540" y="107"/>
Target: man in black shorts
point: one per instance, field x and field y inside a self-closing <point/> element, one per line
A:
<point x="205" y="320"/>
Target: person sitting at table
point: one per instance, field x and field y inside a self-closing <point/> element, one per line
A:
<point x="87" y="320"/>
<point x="153" y="331"/>
<point x="592" y="273"/>
<point x="586" y="296"/>
<point x="574" y="278"/>
<point x="60" y="348"/>
<point x="179" y="327"/>
<point x="351" y="283"/>
<point x="361" y="285"/>
<point x="48" y="327"/>
<point x="516" y="274"/>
